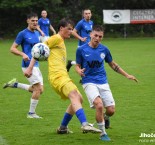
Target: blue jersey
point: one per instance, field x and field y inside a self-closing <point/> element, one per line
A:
<point x="44" y="25"/>
<point x="84" y="28"/>
<point x="27" y="39"/>
<point x="92" y="59"/>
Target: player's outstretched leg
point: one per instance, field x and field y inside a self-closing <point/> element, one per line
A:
<point x="11" y="83"/>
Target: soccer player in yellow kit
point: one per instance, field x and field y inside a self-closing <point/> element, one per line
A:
<point x="60" y="80"/>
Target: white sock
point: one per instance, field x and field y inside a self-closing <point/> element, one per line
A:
<point x="101" y="126"/>
<point x="73" y="62"/>
<point x="23" y="86"/>
<point x="33" y="105"/>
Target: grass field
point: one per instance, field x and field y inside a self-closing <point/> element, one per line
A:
<point x="135" y="102"/>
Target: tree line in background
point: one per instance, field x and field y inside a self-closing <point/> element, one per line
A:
<point x="13" y="14"/>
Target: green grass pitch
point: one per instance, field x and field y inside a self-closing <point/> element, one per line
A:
<point x="135" y="102"/>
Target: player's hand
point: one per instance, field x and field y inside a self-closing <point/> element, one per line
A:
<point x="25" y="57"/>
<point x="28" y="72"/>
<point x="83" y="39"/>
<point x="131" y="77"/>
<point x="81" y="72"/>
<point x="42" y="34"/>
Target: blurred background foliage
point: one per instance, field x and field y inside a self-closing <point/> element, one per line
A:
<point x="13" y="14"/>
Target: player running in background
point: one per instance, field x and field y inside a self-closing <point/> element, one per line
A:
<point x="60" y="80"/>
<point x="90" y="59"/>
<point x="27" y="38"/>
<point x="44" y="25"/>
<point x="82" y="32"/>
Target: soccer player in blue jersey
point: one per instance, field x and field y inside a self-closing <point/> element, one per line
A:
<point x="82" y="32"/>
<point x="44" y="25"/>
<point x="27" y="38"/>
<point x="83" y="28"/>
<point x="90" y="59"/>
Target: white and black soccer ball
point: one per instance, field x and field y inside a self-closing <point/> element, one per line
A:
<point x="40" y="52"/>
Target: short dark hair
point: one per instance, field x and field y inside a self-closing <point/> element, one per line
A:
<point x="30" y="15"/>
<point x="98" y="28"/>
<point x="64" y="22"/>
<point x="85" y="10"/>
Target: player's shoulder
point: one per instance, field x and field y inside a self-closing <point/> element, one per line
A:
<point x="40" y="19"/>
<point x="55" y="39"/>
<point x="91" y="22"/>
<point x="47" y="19"/>
<point x="22" y="32"/>
<point x="37" y="32"/>
<point x="102" y="46"/>
<point x="83" y="47"/>
<point x="57" y="36"/>
<point x="80" y="22"/>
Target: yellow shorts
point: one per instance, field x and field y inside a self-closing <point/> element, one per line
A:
<point x="63" y="86"/>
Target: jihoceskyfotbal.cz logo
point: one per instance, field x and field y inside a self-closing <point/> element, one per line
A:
<point x="147" y="137"/>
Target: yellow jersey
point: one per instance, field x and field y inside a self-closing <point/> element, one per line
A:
<point x="57" y="60"/>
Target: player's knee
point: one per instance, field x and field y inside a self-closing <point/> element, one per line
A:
<point x="37" y="91"/>
<point x="81" y="99"/>
<point x="98" y="103"/>
<point x="99" y="106"/>
<point x="41" y="90"/>
<point x="74" y="95"/>
<point x="110" y="111"/>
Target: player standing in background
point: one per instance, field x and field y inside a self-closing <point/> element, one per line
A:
<point x="82" y="32"/>
<point x="90" y="59"/>
<point x="44" y="25"/>
<point x="27" y="38"/>
<point x="60" y="80"/>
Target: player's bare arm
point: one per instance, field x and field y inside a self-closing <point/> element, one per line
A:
<point x="42" y="33"/>
<point x="52" y="29"/>
<point x="118" y="69"/>
<point x="28" y="71"/>
<point x="79" y="70"/>
<point x="76" y="35"/>
<point x="15" y="51"/>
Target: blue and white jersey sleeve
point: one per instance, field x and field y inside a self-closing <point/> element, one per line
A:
<point x="19" y="38"/>
<point x="108" y="57"/>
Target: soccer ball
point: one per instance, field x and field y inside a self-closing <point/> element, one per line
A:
<point x="40" y="52"/>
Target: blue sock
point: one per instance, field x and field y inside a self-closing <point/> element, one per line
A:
<point x="81" y="116"/>
<point x="15" y="85"/>
<point x="66" y="119"/>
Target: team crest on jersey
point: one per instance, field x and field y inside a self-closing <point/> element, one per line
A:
<point x="102" y="55"/>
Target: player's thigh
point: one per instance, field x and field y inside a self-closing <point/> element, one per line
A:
<point x="92" y="92"/>
<point x="106" y="95"/>
<point x="36" y="76"/>
<point x="68" y="88"/>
